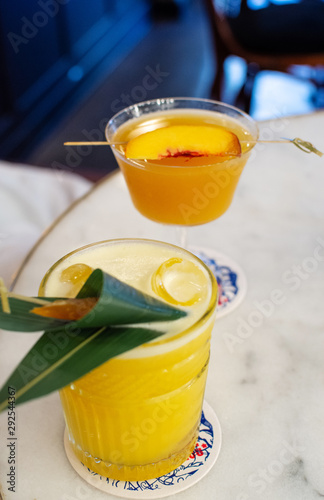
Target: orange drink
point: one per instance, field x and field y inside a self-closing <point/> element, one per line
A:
<point x="136" y="416"/>
<point x="182" y="190"/>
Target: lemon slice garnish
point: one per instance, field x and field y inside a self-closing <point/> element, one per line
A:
<point x="179" y="282"/>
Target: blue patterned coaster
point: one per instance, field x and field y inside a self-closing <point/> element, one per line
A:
<point x="230" y="278"/>
<point x="190" y="472"/>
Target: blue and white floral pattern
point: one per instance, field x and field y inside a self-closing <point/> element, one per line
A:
<point x="183" y="473"/>
<point x="226" y="279"/>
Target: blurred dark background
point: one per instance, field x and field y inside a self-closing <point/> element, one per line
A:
<point x="67" y="66"/>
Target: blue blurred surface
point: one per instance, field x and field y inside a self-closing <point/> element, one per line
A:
<point x="109" y="66"/>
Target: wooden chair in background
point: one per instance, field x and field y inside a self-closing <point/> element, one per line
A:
<point x="276" y="38"/>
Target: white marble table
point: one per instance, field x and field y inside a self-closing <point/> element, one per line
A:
<point x="266" y="370"/>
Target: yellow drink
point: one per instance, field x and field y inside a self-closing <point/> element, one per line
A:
<point x="136" y="416"/>
<point x="180" y="190"/>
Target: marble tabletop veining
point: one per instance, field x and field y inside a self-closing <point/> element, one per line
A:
<point x="266" y="375"/>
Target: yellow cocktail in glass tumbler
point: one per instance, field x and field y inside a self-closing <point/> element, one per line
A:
<point x="136" y="416"/>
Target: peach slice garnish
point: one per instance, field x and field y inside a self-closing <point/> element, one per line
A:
<point x="68" y="310"/>
<point x="183" y="140"/>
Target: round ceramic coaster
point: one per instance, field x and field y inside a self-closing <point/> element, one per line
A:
<point x="230" y="278"/>
<point x="190" y="472"/>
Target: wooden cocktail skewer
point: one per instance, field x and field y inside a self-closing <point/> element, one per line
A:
<point x="305" y="146"/>
<point x="106" y="143"/>
<point x="97" y="143"/>
<point x="4" y="297"/>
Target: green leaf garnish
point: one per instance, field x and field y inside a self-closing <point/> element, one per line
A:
<point x="121" y="304"/>
<point x="20" y="319"/>
<point x="70" y="356"/>
<point x="70" y="349"/>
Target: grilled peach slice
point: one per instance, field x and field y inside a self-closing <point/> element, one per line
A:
<point x="68" y="310"/>
<point x="184" y="140"/>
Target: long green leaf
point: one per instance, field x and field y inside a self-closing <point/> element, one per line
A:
<point x="61" y="357"/>
<point x="21" y="320"/>
<point x="69" y="350"/>
<point x="118" y="304"/>
<point x="122" y="304"/>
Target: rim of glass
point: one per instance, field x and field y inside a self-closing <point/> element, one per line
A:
<point x="204" y="317"/>
<point x="131" y="110"/>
